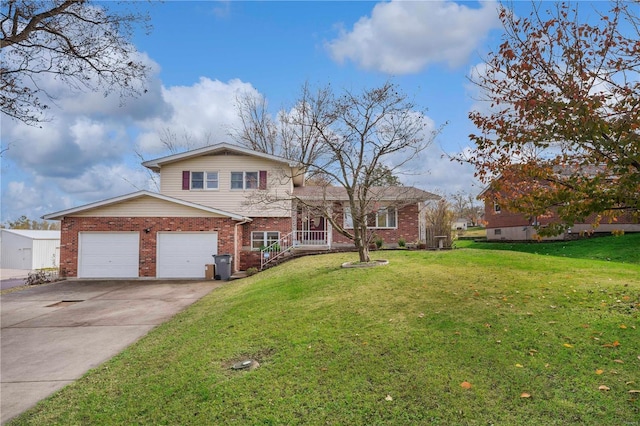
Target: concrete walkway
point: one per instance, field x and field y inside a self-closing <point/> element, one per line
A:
<point x="53" y="334"/>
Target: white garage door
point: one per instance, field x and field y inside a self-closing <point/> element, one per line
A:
<point x="108" y="255"/>
<point x="185" y="254"/>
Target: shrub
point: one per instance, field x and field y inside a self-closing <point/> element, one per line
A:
<point x="402" y="242"/>
<point x="252" y="271"/>
<point x="379" y="242"/>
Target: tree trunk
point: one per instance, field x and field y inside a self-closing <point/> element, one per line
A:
<point x="363" y="252"/>
<point x="361" y="243"/>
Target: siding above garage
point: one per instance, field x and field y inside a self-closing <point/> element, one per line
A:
<point x="144" y="207"/>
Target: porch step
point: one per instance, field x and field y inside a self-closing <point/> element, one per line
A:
<point x="308" y="248"/>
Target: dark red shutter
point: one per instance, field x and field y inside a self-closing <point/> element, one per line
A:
<point x="263" y="179"/>
<point x="186" y="177"/>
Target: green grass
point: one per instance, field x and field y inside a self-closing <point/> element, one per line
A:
<point x="389" y="345"/>
<point x="624" y="248"/>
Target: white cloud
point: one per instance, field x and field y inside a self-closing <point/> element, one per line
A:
<point x="204" y="113"/>
<point x="405" y="37"/>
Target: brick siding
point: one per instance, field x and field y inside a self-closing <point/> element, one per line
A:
<point x="71" y="226"/>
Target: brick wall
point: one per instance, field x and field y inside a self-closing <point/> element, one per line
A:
<point x="71" y="226"/>
<point x="249" y="258"/>
<point x="517" y="226"/>
<point x="408" y="228"/>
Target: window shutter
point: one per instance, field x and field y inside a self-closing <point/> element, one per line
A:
<point x="186" y="177"/>
<point x="263" y="179"/>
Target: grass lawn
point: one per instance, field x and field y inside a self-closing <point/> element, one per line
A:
<point x="625" y="248"/>
<point x="453" y="337"/>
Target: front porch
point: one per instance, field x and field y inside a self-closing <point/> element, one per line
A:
<point x="297" y="242"/>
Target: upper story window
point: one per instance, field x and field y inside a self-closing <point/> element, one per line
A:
<point x="249" y="180"/>
<point x="200" y="180"/>
<point x="497" y="208"/>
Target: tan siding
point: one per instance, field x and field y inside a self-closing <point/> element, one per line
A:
<point x="145" y="207"/>
<point x="239" y="202"/>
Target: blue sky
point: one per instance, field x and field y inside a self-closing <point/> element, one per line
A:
<point x="204" y="53"/>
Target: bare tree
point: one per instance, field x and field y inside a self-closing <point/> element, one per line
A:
<point x="292" y="134"/>
<point x="465" y="205"/>
<point x="348" y="146"/>
<point x="363" y="132"/>
<point x="173" y="143"/>
<point x="83" y="44"/>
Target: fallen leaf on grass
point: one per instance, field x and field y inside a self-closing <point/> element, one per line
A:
<point x="599" y="371"/>
<point x="421" y="315"/>
<point x="604" y="388"/>
<point x="611" y="345"/>
<point x="519" y="365"/>
<point x="619" y="361"/>
<point x="634" y="391"/>
<point x="465" y="385"/>
<point x="567" y="345"/>
<point x="525" y="395"/>
<point x="623" y="326"/>
<point x="389" y="398"/>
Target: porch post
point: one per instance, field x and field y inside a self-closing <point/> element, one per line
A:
<point x="329" y="227"/>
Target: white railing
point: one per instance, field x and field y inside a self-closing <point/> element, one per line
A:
<point x="297" y="239"/>
<point x="276" y="250"/>
<point x="311" y="238"/>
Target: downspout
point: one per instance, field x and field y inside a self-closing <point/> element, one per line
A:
<point x="236" y="250"/>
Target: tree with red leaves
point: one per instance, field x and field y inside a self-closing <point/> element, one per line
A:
<point x="562" y="127"/>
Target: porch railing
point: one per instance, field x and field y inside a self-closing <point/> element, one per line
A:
<point x="291" y="241"/>
<point x="311" y="238"/>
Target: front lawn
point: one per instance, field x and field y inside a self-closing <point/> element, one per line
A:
<point x="452" y="337"/>
<point x="625" y="248"/>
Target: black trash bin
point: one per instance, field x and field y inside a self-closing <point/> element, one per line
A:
<point x="223" y="266"/>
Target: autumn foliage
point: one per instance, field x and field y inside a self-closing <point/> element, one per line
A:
<point x="562" y="123"/>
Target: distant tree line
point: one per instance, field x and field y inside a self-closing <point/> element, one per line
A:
<point x="25" y="223"/>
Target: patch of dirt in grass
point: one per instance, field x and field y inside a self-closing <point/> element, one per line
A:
<point x="258" y="358"/>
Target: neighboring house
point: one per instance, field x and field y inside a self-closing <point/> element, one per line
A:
<point x="502" y="224"/>
<point x="29" y="249"/>
<point x="459" y="224"/>
<point x="221" y="199"/>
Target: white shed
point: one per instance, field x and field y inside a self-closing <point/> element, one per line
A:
<point x="29" y="249"/>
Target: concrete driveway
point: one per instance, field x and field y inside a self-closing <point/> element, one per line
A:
<point x="52" y="334"/>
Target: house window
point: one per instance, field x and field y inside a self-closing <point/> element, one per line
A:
<point x="383" y="218"/>
<point x="199" y="180"/>
<point x="244" y="180"/>
<point x="260" y="239"/>
<point x="348" y="219"/>
<point x="497" y="208"/>
<point x="386" y="218"/>
<point x="497" y="232"/>
<point x="212" y="180"/>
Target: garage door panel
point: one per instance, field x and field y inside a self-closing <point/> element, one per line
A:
<point x="109" y="255"/>
<point x="185" y="254"/>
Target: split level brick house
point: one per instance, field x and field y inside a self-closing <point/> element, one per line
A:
<point x="505" y="225"/>
<point x="220" y="199"/>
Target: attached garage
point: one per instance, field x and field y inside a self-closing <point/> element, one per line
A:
<point x="108" y="254"/>
<point x="145" y="235"/>
<point x="185" y="254"/>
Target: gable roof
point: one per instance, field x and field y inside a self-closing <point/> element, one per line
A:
<point x="220" y="148"/>
<point x="382" y="193"/>
<point x="61" y="214"/>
